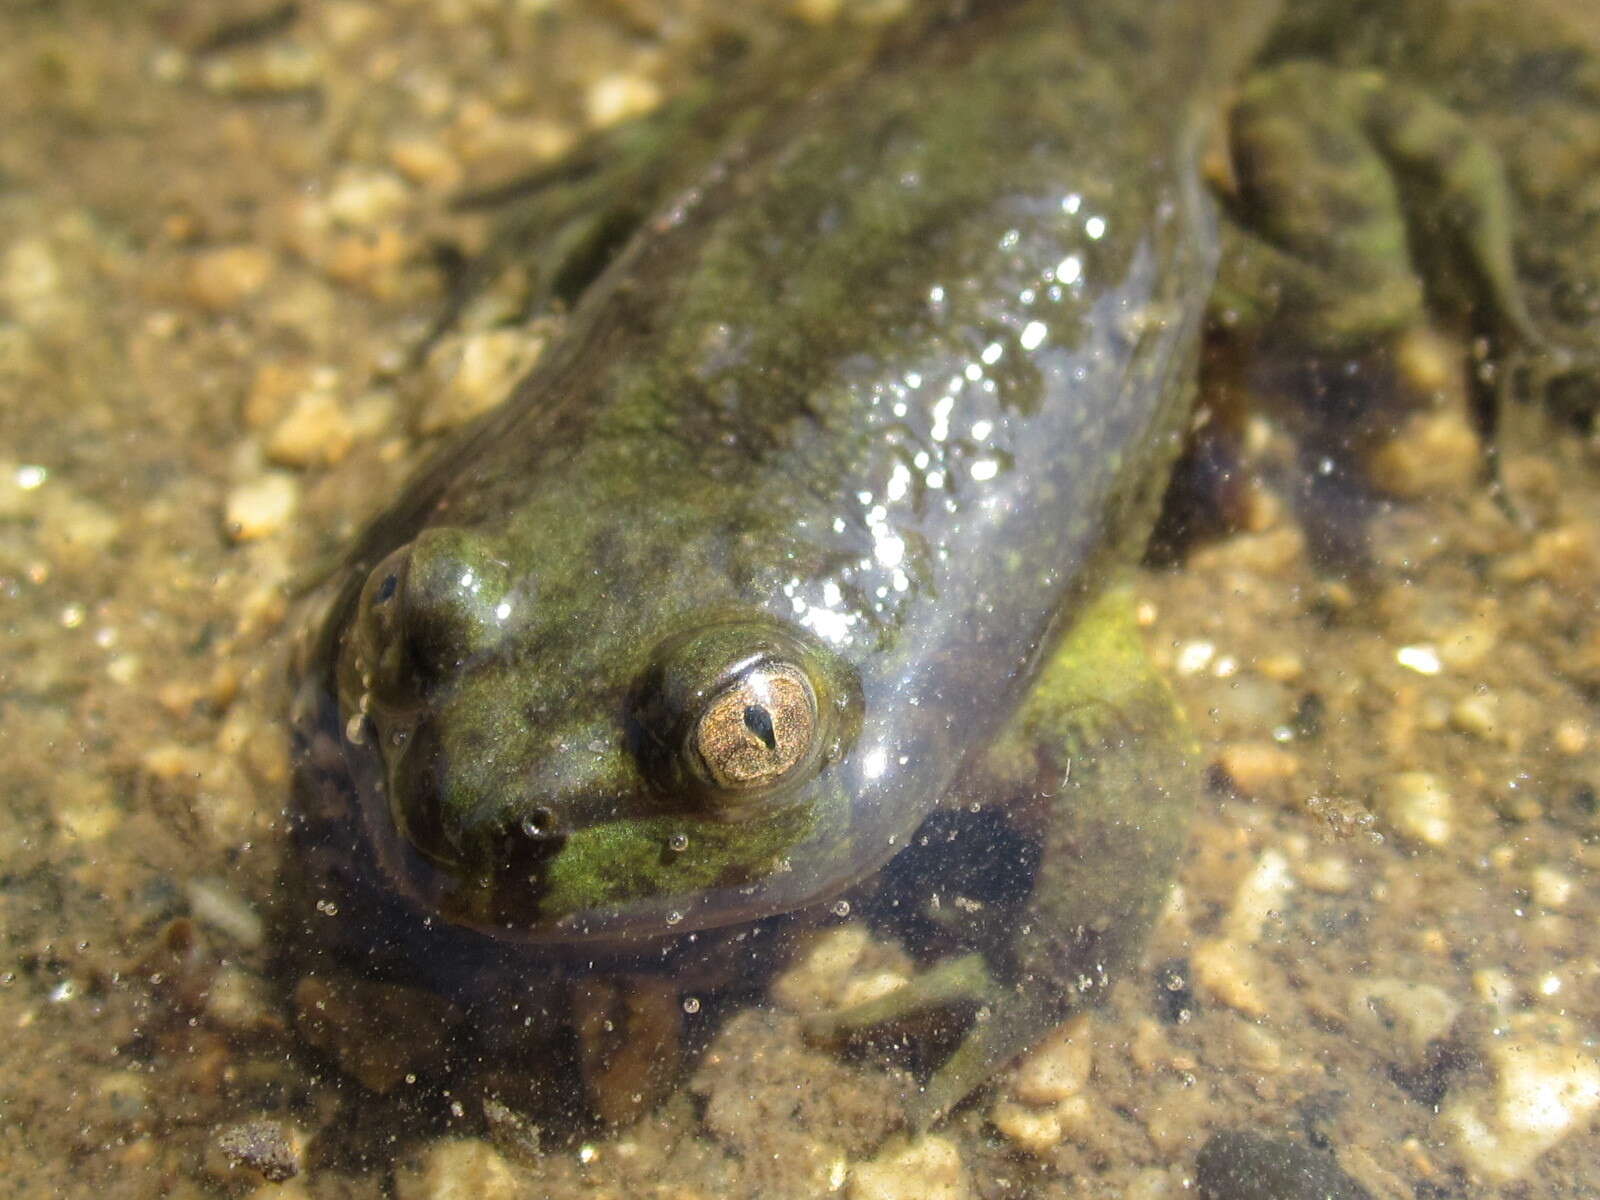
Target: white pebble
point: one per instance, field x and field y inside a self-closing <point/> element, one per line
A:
<point x="1035" y="1130"/>
<point x="215" y="905"/>
<point x="617" y="97"/>
<point x="262" y="506"/>
<point x="1547" y="1083"/>
<point x="1057" y="1067"/>
<point x="1417" y="806"/>
<point x="929" y="1168"/>
<point x="1424" y="660"/>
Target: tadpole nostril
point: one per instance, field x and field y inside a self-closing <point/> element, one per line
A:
<point x="538" y="824"/>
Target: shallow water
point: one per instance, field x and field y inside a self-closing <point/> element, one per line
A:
<point x="217" y="225"/>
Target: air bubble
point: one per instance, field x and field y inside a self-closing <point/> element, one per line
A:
<point x="691" y="1005"/>
<point x="674" y="917"/>
<point x="678" y="843"/>
<point x="841" y="908"/>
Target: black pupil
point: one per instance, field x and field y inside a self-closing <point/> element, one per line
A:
<point x="386" y="588"/>
<point x="759" y="722"/>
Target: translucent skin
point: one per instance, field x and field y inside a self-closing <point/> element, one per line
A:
<point x="897" y="380"/>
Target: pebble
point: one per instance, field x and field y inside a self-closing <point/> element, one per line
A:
<point x="31" y="281"/>
<point x="1571" y="737"/>
<point x="1550" y="887"/>
<point x="493" y="144"/>
<point x="1259" y="896"/>
<point x="1170" y="1116"/>
<point x="1254" y="1047"/>
<point x="1058" y="1067"/>
<point x="123" y="1096"/>
<point x="1254" y="768"/>
<point x="261" y="507"/>
<point x="818" y="977"/>
<point x="1417" y="806"/>
<point x="85" y="807"/>
<point x="372" y="1029"/>
<point x="618" y="97"/>
<point x="426" y="162"/>
<point x="1495" y="988"/>
<point x="315" y="432"/>
<point x="1477" y="714"/>
<point x="1270" y="554"/>
<point x="1400" y="1016"/>
<point x="1546" y="1085"/>
<point x="473" y="374"/>
<point x="364" y="197"/>
<point x="1566" y="554"/>
<point x="221" y="279"/>
<point x="1283" y="666"/>
<point x="1226" y="966"/>
<point x="1045" y="1101"/>
<point x="276" y="69"/>
<point x="1230" y="973"/>
<point x="460" y="1169"/>
<point x="216" y="906"/>
<point x="1331" y="874"/>
<point x="1037" y="1131"/>
<point x="373" y="261"/>
<point x="1466" y="643"/>
<point x="1430" y="363"/>
<point x="241" y="1001"/>
<point x="929" y="1168"/>
<point x="1241" y="1165"/>
<point x="1435" y="453"/>
<point x="274" y="387"/>
<point x="73" y="529"/>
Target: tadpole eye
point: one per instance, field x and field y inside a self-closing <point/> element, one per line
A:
<point x="732" y="717"/>
<point x="755" y="731"/>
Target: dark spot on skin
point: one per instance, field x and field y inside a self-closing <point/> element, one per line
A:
<point x="759" y="722"/>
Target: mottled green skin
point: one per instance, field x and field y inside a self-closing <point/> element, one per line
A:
<point x="901" y="377"/>
<point x="892" y="386"/>
<point x="1526" y="80"/>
